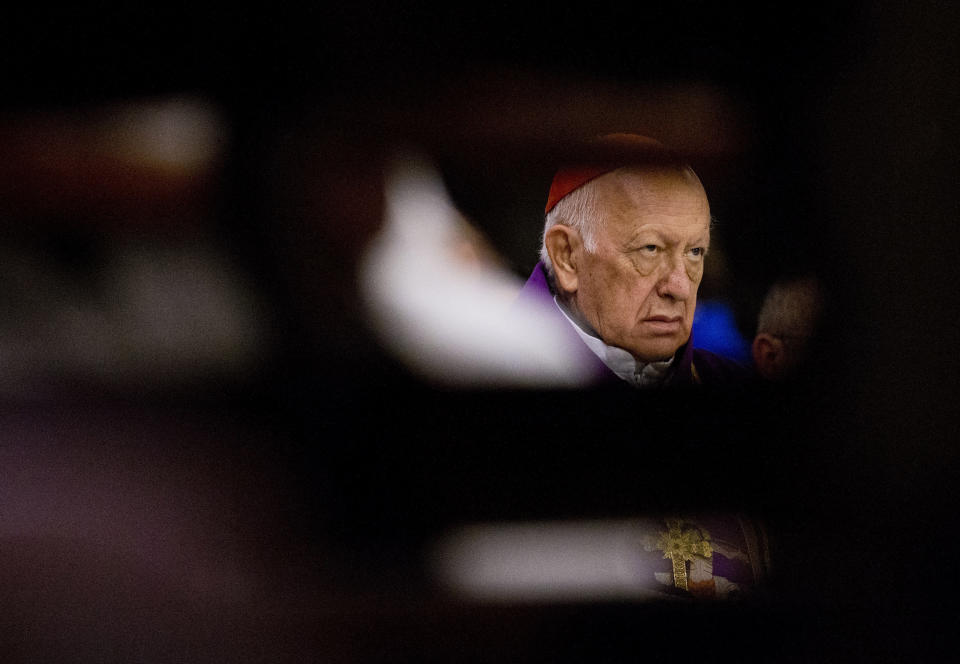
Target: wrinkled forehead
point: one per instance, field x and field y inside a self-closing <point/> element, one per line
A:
<point x="656" y="192"/>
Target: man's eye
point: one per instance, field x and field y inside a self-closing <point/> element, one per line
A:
<point x="649" y="248"/>
<point x="697" y="252"/>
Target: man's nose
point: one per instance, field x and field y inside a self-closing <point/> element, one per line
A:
<point x="675" y="282"/>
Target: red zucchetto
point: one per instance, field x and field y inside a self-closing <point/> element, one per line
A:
<point x="608" y="153"/>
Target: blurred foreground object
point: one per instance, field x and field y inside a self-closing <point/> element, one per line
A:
<point x="113" y="275"/>
<point x="602" y="560"/>
<point x="437" y="296"/>
<point x="122" y="165"/>
<point x="142" y="316"/>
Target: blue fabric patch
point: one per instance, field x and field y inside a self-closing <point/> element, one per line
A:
<point x="715" y="329"/>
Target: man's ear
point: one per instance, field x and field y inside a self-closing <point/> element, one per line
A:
<point x="563" y="243"/>
<point x="768" y="355"/>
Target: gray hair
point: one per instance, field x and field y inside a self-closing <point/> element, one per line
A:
<point x="791" y="308"/>
<point x="580" y="209"/>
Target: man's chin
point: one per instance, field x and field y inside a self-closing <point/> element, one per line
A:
<point x="660" y="350"/>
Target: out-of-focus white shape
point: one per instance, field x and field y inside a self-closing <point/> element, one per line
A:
<point x="445" y="311"/>
<point x="181" y="135"/>
<point x="559" y="561"/>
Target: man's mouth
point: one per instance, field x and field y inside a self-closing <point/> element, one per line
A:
<point x="664" y="324"/>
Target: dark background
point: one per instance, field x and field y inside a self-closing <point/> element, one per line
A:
<point x="315" y="481"/>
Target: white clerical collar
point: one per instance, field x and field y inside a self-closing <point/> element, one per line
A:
<point x="620" y="361"/>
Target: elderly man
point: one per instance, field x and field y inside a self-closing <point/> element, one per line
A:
<point x="624" y="245"/>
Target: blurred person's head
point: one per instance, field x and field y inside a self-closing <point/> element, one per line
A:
<point x="786" y="326"/>
<point x="624" y="246"/>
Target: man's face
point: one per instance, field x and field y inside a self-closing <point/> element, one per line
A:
<point x="638" y="290"/>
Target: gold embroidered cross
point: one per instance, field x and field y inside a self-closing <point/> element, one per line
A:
<point x="681" y="545"/>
